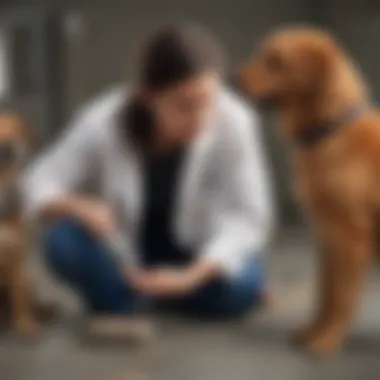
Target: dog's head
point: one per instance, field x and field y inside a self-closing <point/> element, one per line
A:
<point x="16" y="141"/>
<point x="291" y="64"/>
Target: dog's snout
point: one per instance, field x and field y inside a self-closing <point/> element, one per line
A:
<point x="7" y="153"/>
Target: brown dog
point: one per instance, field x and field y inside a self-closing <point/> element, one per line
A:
<point x="15" y="285"/>
<point x="323" y="109"/>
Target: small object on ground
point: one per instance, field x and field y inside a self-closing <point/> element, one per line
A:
<point x="119" y="329"/>
<point x="130" y="376"/>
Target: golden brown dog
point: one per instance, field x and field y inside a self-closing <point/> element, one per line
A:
<point x="15" y="285"/>
<point x="323" y="109"/>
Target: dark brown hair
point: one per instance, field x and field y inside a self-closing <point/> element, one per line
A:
<point x="174" y="54"/>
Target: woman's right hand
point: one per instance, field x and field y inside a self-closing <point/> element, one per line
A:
<point x="92" y="213"/>
<point x="95" y="215"/>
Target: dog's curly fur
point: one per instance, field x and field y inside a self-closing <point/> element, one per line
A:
<point x="15" y="283"/>
<point x="312" y="81"/>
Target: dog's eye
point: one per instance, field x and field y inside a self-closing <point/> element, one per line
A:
<point x="274" y="63"/>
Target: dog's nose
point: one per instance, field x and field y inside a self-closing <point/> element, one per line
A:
<point x="7" y="153"/>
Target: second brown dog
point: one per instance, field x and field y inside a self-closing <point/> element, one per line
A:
<point x="15" y="285"/>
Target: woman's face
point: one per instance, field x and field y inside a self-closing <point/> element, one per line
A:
<point x="182" y="110"/>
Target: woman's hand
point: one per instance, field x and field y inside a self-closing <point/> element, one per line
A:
<point x="97" y="216"/>
<point x="92" y="213"/>
<point x="162" y="282"/>
<point x="169" y="282"/>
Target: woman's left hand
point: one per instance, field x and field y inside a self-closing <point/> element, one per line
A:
<point x="163" y="282"/>
<point x="169" y="282"/>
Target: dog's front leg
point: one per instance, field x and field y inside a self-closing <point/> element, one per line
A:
<point x="323" y="299"/>
<point x="349" y="257"/>
<point x="22" y="317"/>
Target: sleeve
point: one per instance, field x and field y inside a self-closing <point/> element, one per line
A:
<point x="245" y="208"/>
<point x="60" y="170"/>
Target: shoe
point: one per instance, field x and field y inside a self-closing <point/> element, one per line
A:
<point x="119" y="329"/>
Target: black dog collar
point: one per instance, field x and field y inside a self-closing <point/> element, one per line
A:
<point x="315" y="134"/>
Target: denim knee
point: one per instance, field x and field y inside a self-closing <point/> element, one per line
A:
<point x="226" y="301"/>
<point x="62" y="245"/>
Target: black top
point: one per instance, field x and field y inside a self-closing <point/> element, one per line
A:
<point x="158" y="245"/>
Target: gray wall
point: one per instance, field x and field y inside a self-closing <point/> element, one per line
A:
<point x="112" y="34"/>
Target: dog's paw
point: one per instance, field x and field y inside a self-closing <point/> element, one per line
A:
<point x="27" y="327"/>
<point x="325" y="343"/>
<point x="305" y="335"/>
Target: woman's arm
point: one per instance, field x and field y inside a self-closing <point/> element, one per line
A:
<point x="50" y="183"/>
<point x="245" y="209"/>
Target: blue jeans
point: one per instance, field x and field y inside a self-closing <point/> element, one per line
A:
<point x="88" y="267"/>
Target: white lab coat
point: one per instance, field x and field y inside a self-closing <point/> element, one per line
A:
<point x="223" y="204"/>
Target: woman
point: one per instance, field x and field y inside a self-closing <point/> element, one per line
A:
<point x="183" y="187"/>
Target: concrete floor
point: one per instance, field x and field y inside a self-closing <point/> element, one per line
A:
<point x="255" y="348"/>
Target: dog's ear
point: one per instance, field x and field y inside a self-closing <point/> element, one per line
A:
<point x="313" y="69"/>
